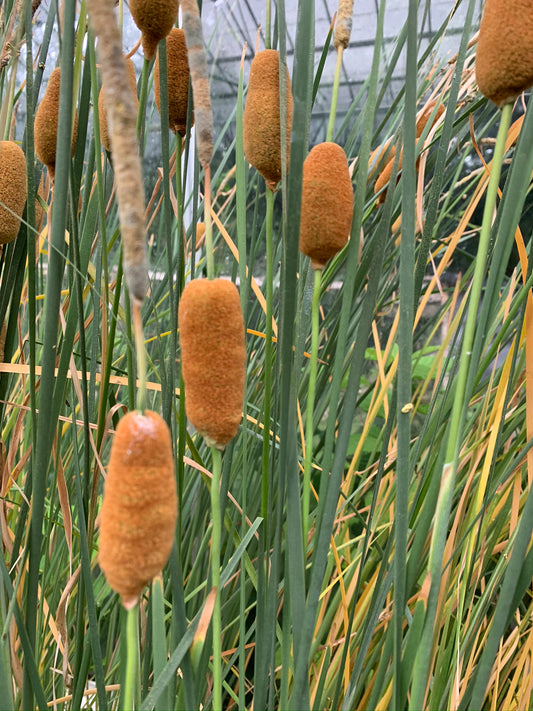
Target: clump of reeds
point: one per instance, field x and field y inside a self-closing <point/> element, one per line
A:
<point x="105" y="133"/>
<point x="177" y="80"/>
<point x="45" y="128"/>
<point x="261" y="121"/>
<point x="327" y="203"/>
<point x="213" y="357"/>
<point x="139" y="508"/>
<point x="13" y="189"/>
<point x="504" y="57"/>
<point x="155" y="19"/>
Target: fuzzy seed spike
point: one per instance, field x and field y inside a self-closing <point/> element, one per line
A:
<point x="105" y="133"/>
<point x="155" y="19"/>
<point x="213" y="357"/>
<point x="425" y="115"/>
<point x="203" y="114"/>
<point x="178" y="81"/>
<point x="327" y="203"/>
<point x="261" y="120"/>
<point x="45" y="128"/>
<point x="139" y="508"/>
<point x="13" y="189"/>
<point x="504" y="57"/>
<point x="343" y="24"/>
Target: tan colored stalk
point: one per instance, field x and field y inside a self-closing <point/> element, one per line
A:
<point x="122" y="114"/>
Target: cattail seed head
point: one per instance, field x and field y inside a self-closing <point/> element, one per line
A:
<point x="155" y="19"/>
<point x="45" y="128"/>
<point x="13" y="189"/>
<point x="213" y="357"/>
<point x="504" y="56"/>
<point x="261" y="121"/>
<point x="200" y="235"/>
<point x="343" y="24"/>
<point x="425" y="115"/>
<point x="139" y="508"/>
<point x="327" y="203"/>
<point x="177" y="80"/>
<point x="105" y="133"/>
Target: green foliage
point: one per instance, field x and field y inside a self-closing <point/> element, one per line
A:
<point x="333" y="611"/>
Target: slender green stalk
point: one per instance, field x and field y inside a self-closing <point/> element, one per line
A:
<point x="268" y="23"/>
<point x="215" y="578"/>
<point x="159" y="637"/>
<point x="210" y="257"/>
<point x="142" y="99"/>
<point x="335" y="94"/>
<point x="268" y="353"/>
<point x="457" y="418"/>
<point x="141" y="356"/>
<point x="311" y="391"/>
<point x="131" y="681"/>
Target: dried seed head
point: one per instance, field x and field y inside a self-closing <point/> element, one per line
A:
<point x="327" y="203"/>
<point x="139" y="508"/>
<point x="504" y="57"/>
<point x="105" y="134"/>
<point x="155" y="19"/>
<point x="200" y="235"/>
<point x="177" y="81"/>
<point x="13" y="189"/>
<point x="343" y="24"/>
<point x="261" y="121"/>
<point x="213" y="357"/>
<point x="203" y="114"/>
<point x="45" y="128"/>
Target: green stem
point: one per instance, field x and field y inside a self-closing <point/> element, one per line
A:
<point x="141" y="356"/>
<point x="442" y="514"/>
<point x="268" y="352"/>
<point x="208" y="225"/>
<point x="335" y="94"/>
<point x="142" y="98"/>
<point x="215" y="577"/>
<point x="132" y="659"/>
<point x="268" y="23"/>
<point x="315" y="338"/>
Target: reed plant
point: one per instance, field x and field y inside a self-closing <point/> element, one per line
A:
<point x="364" y="539"/>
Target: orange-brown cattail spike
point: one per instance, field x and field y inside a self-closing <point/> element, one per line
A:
<point x="327" y="203"/>
<point x="343" y="24"/>
<point x="203" y="114"/>
<point x="213" y="357"/>
<point x="139" y="508"/>
<point x="155" y="19"/>
<point x="45" y="128"/>
<point x="13" y="189"/>
<point x="177" y="80"/>
<point x="504" y="57"/>
<point x="261" y="120"/>
<point x="105" y="133"/>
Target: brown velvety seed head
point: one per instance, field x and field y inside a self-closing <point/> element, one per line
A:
<point x="139" y="508"/>
<point x="261" y="121"/>
<point x="13" y="189"/>
<point x="45" y="127"/>
<point x="200" y="234"/>
<point x="177" y="80"/>
<point x="425" y="115"/>
<point x="105" y="135"/>
<point x="379" y="158"/>
<point x="504" y="57"/>
<point x="213" y="357"/>
<point x="327" y="203"/>
<point x="155" y="19"/>
<point x="385" y="175"/>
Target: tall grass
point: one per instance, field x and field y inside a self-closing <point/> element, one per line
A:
<point x="387" y="602"/>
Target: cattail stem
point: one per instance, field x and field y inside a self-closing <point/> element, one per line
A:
<point x="268" y="24"/>
<point x="268" y="352"/>
<point x="140" y="351"/>
<point x="215" y="577"/>
<point x="142" y="99"/>
<point x="335" y="94"/>
<point x="308" y="460"/>
<point x="457" y="419"/>
<point x="131" y="680"/>
<point x="208" y="224"/>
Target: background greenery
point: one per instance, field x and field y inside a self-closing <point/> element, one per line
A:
<point x="350" y="617"/>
